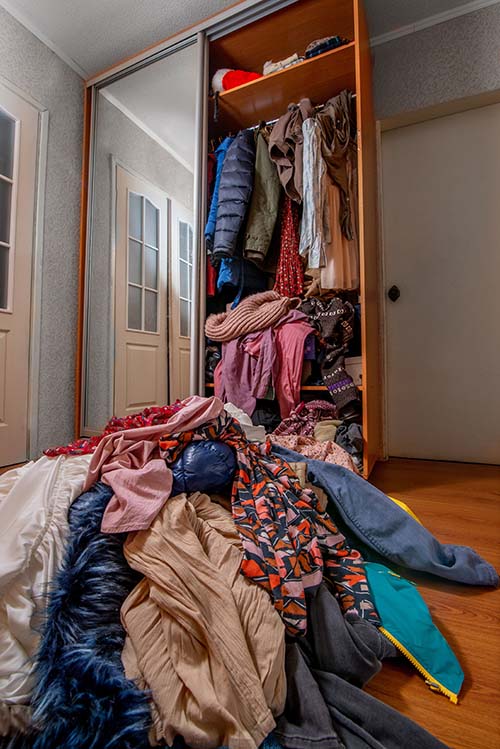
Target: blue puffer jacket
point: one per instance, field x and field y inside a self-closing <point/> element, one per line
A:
<point x="204" y="466"/>
<point x="235" y="191"/>
<point x="220" y="155"/>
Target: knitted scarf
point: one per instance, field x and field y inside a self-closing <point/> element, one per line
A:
<point x="82" y="699"/>
<point x="287" y="541"/>
<point x="254" y="313"/>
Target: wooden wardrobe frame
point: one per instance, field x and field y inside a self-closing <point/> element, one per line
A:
<point x="241" y="15"/>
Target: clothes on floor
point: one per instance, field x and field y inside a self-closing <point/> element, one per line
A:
<point x="34" y="502"/>
<point x="82" y="697"/>
<point x="326" y="707"/>
<point x="293" y="542"/>
<point x="130" y="462"/>
<point x="204" y="639"/>
<point x="326" y="451"/>
<point x="326" y="430"/>
<point x="148" y="417"/>
<point x="407" y="623"/>
<point x="350" y="438"/>
<point x="381" y="525"/>
<point x="305" y="417"/>
<point x="252" y="433"/>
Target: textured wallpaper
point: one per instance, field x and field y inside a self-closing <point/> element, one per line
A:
<point x="31" y="66"/>
<point x="119" y="137"/>
<point x="448" y="61"/>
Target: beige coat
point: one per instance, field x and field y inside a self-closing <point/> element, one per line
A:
<point x="204" y="639"/>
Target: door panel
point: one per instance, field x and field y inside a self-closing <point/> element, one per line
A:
<point x="141" y="304"/>
<point x="441" y="248"/>
<point x="181" y="301"/>
<point x="18" y="163"/>
<point x="368" y="246"/>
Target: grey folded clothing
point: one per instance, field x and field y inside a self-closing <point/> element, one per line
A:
<point x="273" y="67"/>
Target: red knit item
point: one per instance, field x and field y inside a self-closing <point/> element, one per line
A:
<point x="290" y="271"/>
<point x="149" y="417"/>
<point x="237" y="78"/>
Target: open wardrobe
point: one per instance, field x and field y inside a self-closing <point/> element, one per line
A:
<point x="209" y="562"/>
<point x="281" y="147"/>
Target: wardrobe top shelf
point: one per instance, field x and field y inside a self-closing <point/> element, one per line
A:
<point x="318" y="78"/>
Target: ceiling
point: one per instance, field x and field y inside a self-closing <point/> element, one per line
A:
<point x="93" y="34"/>
<point x="162" y="97"/>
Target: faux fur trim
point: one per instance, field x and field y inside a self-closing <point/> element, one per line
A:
<point x="82" y="699"/>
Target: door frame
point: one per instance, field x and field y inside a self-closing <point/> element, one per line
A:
<point x="405" y="119"/>
<point x="36" y="266"/>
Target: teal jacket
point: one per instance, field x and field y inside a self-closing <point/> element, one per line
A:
<point x="407" y="623"/>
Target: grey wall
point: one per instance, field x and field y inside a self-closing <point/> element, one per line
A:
<point x="448" y="61"/>
<point x="30" y="65"/>
<point x="118" y="136"/>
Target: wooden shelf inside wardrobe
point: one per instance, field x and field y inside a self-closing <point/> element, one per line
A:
<point x="317" y="78"/>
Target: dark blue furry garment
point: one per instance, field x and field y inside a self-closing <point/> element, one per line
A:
<point x="82" y="699"/>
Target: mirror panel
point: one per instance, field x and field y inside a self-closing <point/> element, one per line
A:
<point x="139" y="255"/>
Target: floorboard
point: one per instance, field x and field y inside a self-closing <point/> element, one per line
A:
<point x="459" y="503"/>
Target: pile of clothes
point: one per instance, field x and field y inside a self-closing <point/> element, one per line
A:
<point x="284" y="201"/>
<point x="178" y="584"/>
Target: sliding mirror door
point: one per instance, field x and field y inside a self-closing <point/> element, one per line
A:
<point x="141" y="238"/>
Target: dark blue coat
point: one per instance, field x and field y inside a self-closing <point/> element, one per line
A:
<point x="235" y="191"/>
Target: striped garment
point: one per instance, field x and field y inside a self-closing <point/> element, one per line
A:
<point x="288" y="543"/>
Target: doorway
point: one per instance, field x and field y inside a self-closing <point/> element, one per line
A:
<point x="441" y="232"/>
<point x="19" y="137"/>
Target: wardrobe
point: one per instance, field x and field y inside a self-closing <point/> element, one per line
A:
<point x="244" y="37"/>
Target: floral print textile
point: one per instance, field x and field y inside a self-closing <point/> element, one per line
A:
<point x="288" y="542"/>
<point x="149" y="417"/>
<point x="290" y="272"/>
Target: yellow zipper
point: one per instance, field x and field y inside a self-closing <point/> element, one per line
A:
<point x="431" y="682"/>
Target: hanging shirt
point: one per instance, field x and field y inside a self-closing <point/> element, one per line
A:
<point x="313" y="234"/>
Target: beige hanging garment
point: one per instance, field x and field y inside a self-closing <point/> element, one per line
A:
<point x="342" y="256"/>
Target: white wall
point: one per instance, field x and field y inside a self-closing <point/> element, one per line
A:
<point x="31" y="66"/>
<point x="451" y="60"/>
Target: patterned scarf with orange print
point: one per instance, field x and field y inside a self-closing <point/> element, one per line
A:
<point x="288" y="543"/>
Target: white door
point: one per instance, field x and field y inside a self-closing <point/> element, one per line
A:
<point x="141" y="361"/>
<point x="18" y="163"/>
<point x="181" y="299"/>
<point x="441" y="220"/>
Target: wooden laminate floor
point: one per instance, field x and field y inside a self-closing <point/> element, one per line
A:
<point x="459" y="503"/>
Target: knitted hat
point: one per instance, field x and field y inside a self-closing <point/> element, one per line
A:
<point x="226" y="78"/>
<point x="254" y="313"/>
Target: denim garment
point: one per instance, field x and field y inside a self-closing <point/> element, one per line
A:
<point x="387" y="529"/>
<point x="326" y="707"/>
